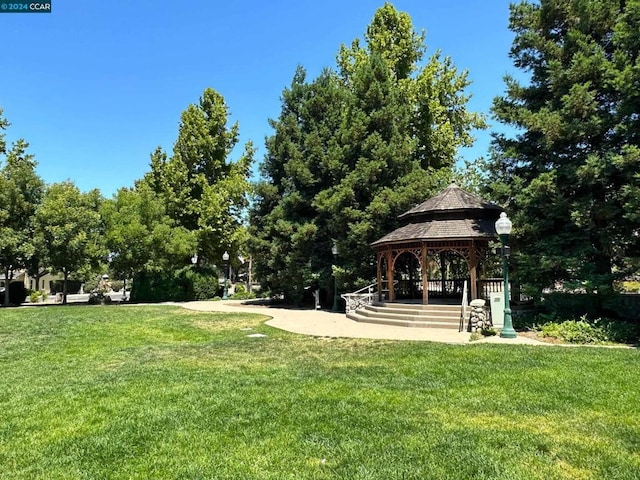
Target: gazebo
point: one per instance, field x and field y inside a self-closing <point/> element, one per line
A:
<point x="453" y="221"/>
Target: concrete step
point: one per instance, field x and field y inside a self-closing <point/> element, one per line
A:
<point x="449" y="325"/>
<point x="409" y="315"/>
<point x="418" y="306"/>
<point x="448" y="313"/>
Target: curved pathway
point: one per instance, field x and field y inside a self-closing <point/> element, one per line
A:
<point x="323" y="323"/>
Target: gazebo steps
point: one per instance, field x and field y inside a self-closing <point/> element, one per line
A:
<point x="419" y="307"/>
<point x="408" y="315"/>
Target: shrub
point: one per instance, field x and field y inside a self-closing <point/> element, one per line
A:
<point x="571" y="331"/>
<point x="581" y="332"/>
<point x="181" y="285"/>
<point x="488" y="331"/>
<point x="34" y="296"/>
<point x="159" y="286"/>
<point x="475" y="336"/>
<point x="241" y="293"/>
<point x="619" y="331"/>
<point x="205" y="284"/>
<point x="598" y="331"/>
<point x="572" y="305"/>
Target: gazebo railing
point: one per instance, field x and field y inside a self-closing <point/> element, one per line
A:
<point x="367" y="295"/>
<point x="446" y="288"/>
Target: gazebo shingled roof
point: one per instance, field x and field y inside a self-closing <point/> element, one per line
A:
<point x="451" y="199"/>
<point x="453" y="220"/>
<point x="451" y="214"/>
<point x="440" y="230"/>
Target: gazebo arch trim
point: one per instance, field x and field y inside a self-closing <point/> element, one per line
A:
<point x="472" y="250"/>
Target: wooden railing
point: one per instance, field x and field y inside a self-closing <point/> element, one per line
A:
<point x="449" y="288"/>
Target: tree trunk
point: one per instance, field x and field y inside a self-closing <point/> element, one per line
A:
<point x="6" y="287"/>
<point x="64" y="287"/>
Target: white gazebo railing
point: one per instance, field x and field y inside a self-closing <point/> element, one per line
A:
<point x="359" y="298"/>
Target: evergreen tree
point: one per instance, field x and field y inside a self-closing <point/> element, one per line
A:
<point x="291" y="240"/>
<point x="351" y="151"/>
<point x="570" y="174"/>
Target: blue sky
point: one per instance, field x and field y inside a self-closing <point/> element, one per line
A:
<point x="94" y="86"/>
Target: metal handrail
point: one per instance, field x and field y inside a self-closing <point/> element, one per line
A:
<point x="357" y="299"/>
<point x="368" y="288"/>
<point x="463" y="309"/>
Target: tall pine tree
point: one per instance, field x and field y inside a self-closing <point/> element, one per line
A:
<point x="570" y="174"/>
<point x="352" y="150"/>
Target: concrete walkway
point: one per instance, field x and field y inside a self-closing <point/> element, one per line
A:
<point x="322" y="323"/>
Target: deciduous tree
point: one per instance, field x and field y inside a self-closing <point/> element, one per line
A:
<point x="139" y="235"/>
<point x="21" y="191"/>
<point x="203" y="189"/>
<point x="71" y="228"/>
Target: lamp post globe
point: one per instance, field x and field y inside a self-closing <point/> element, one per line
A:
<point x="334" y="251"/>
<point x="503" y="229"/>
<point x="225" y="258"/>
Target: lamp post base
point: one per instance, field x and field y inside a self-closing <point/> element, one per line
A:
<point x="508" y="334"/>
<point x="507" y="329"/>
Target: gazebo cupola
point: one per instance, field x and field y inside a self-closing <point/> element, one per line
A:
<point x="452" y="221"/>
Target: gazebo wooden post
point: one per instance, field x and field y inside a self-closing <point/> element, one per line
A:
<point x="380" y="256"/>
<point x="425" y="277"/>
<point x="473" y="265"/>
<point x="390" y="276"/>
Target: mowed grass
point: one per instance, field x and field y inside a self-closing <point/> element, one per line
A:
<point x="164" y="393"/>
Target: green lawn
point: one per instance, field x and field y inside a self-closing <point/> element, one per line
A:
<point x="164" y="393"/>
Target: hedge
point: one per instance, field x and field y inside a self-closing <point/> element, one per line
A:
<point x="188" y="283"/>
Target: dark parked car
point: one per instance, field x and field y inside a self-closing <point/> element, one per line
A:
<point x="17" y="293"/>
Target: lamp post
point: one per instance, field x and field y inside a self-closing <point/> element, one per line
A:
<point x="225" y="258"/>
<point x="503" y="228"/>
<point x="334" y="251"/>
